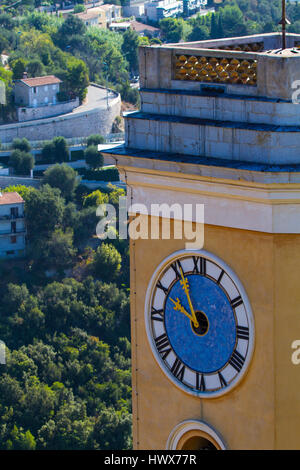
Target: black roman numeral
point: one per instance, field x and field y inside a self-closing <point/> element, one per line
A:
<point x="237" y="360"/>
<point x="176" y="266"/>
<point x="236" y="302"/>
<point x="160" y="286"/>
<point x="242" y="332"/>
<point x="163" y="345"/>
<point x="157" y="315"/>
<point x="200" y="382"/>
<point x="195" y="260"/>
<point x="220" y="277"/>
<point x="203" y="266"/>
<point x="178" y="369"/>
<point x="222" y="380"/>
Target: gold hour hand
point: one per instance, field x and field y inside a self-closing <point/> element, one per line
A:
<point x="180" y="308"/>
<point x="185" y="285"/>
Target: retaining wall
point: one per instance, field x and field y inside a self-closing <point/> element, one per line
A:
<point x="97" y="120"/>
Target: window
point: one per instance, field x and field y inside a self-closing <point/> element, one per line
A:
<point x="13" y="239"/>
<point x="13" y="227"/>
<point x="194" y="435"/>
<point x="34" y="89"/>
<point x="10" y="252"/>
<point x="14" y="212"/>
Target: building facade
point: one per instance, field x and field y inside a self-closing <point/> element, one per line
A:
<point x="93" y="17"/>
<point x="12" y="226"/>
<point x="215" y="320"/>
<point x="134" y="8"/>
<point x="190" y="7"/>
<point x="38" y="91"/>
<point x="160" y="9"/>
<point x="36" y="98"/>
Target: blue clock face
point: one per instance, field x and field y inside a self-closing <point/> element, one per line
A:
<point x="199" y="324"/>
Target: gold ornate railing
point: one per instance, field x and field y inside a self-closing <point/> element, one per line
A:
<point x="215" y="70"/>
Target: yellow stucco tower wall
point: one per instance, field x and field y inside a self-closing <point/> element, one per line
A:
<point x="262" y="412"/>
<point x="220" y="128"/>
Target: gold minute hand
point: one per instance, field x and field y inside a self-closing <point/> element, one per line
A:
<point x="180" y="308"/>
<point x="185" y="285"/>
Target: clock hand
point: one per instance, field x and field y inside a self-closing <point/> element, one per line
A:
<point x="185" y="285"/>
<point x="178" y="306"/>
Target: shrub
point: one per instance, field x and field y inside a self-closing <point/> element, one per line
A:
<point x="95" y="199"/>
<point x="21" y="162"/>
<point x="93" y="158"/>
<point x="107" y="262"/>
<point x="109" y="174"/>
<point x="95" y="139"/>
<point x="21" y="144"/>
<point x="63" y="177"/>
<point x="56" y="150"/>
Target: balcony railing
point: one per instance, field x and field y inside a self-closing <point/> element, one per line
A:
<point x="11" y="217"/>
<point x="8" y="232"/>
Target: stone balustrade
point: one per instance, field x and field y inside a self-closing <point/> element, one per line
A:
<point x="215" y="69"/>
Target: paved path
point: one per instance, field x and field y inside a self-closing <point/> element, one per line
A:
<point x="96" y="98"/>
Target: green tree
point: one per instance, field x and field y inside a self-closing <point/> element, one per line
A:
<point x="174" y="29"/>
<point x="7" y="21"/>
<point x="200" y="33"/>
<point x="21" y="162"/>
<point x="20" y="440"/>
<point x="71" y="26"/>
<point x="214" y="30"/>
<point x="4" y="43"/>
<point x="95" y="199"/>
<point x="21" y="144"/>
<point x="63" y="177"/>
<point x="58" y="252"/>
<point x="18" y="68"/>
<point x="93" y="158"/>
<point x="35" y="68"/>
<point x="56" y="150"/>
<point x="77" y="78"/>
<point x="85" y="225"/>
<point x="112" y="430"/>
<point x="95" y="139"/>
<point x="233" y="22"/>
<point x="107" y="262"/>
<point x="130" y="48"/>
<point x="44" y="211"/>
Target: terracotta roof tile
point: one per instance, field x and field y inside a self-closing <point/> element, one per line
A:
<point x="90" y="13"/>
<point x="137" y="26"/>
<point x="39" y="81"/>
<point x="10" y="198"/>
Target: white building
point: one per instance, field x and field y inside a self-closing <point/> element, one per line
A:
<point x="12" y="225"/>
<point x="157" y="10"/>
<point x="38" y="91"/>
<point x="191" y="7"/>
<point x="36" y="98"/>
<point x="134" y="8"/>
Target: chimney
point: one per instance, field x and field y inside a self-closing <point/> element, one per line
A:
<point x="25" y="75"/>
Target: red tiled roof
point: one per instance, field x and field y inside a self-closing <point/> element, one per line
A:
<point x="90" y="13"/>
<point x="108" y="6"/>
<point x="138" y="27"/>
<point x="39" y="81"/>
<point x="10" y="198"/>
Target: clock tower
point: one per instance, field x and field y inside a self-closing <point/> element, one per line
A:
<point x="213" y="324"/>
